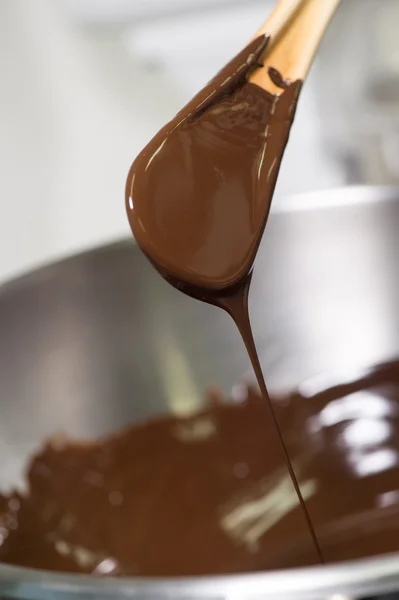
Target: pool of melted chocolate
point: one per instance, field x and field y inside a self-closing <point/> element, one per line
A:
<point x="210" y="494"/>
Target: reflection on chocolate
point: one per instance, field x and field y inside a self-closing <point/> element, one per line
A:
<point x="211" y="494"/>
<point x="356" y="426"/>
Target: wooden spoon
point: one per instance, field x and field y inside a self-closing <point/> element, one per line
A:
<point x="296" y="28"/>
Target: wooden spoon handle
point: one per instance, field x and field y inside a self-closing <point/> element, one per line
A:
<point x="296" y="28"/>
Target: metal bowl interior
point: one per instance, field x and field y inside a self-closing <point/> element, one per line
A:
<point x="83" y="350"/>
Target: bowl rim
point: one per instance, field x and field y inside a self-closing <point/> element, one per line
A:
<point x="314" y="200"/>
<point x="355" y="578"/>
<point x="351" y="579"/>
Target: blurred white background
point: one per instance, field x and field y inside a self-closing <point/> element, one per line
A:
<point x="85" y="83"/>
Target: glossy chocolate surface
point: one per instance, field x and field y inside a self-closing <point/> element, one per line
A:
<point x="199" y="194"/>
<point x="210" y="493"/>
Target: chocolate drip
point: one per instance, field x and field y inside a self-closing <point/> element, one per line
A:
<point x="198" y="196"/>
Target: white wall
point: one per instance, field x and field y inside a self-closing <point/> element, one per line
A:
<point x="73" y="115"/>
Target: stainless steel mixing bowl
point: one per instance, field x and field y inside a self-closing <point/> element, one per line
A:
<point x="99" y="340"/>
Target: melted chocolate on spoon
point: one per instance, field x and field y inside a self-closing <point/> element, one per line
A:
<point x="198" y="195"/>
